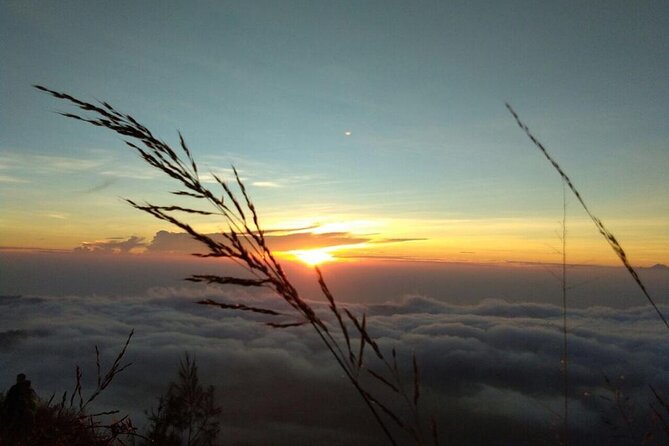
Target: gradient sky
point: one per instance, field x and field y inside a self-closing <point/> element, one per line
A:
<point x="273" y="87"/>
<point x="374" y="129"/>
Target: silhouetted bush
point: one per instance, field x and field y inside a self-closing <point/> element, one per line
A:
<point x="38" y="422"/>
<point x="186" y="414"/>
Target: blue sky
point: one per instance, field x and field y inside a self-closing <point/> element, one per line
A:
<point x="273" y="86"/>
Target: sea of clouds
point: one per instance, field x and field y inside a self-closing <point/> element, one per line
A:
<point x="490" y="371"/>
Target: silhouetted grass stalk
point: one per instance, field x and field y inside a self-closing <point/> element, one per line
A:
<point x="610" y="238"/>
<point x="244" y="243"/>
<point x="70" y="420"/>
<point x="660" y="411"/>
<point x="565" y="362"/>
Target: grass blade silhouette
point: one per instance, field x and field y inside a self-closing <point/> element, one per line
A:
<point x="243" y="242"/>
<point x="610" y="238"/>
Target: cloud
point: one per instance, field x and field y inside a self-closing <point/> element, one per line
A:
<point x="138" y="173"/>
<point x="10" y="338"/>
<point x="111" y="246"/>
<point x="99" y="161"/>
<point x="12" y="179"/>
<point x="66" y="164"/>
<point x="57" y="215"/>
<point x="178" y="242"/>
<point x="303" y="238"/>
<point x="398" y="240"/>
<point x="270" y="184"/>
<point x="490" y="372"/>
<point x="42" y="163"/>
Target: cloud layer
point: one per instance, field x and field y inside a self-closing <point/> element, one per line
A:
<point x="490" y="372"/>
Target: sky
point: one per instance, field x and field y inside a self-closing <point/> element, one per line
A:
<point x="372" y="137"/>
<point x="381" y="120"/>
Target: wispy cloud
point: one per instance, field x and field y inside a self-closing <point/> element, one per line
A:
<point x="66" y="164"/>
<point x="131" y="173"/>
<point x="270" y="184"/>
<point x="96" y="161"/>
<point x="12" y="179"/>
<point x="49" y="163"/>
<point x="57" y="215"/>
<point x="257" y="173"/>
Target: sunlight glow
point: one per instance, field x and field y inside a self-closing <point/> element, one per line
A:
<point x="313" y="257"/>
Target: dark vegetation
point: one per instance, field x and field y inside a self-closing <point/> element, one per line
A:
<point x="68" y="420"/>
<point x="186" y="414"/>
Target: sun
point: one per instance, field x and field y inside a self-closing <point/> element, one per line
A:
<point x="313" y="257"/>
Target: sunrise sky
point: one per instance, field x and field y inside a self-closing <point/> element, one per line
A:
<point x="377" y="129"/>
<point x="374" y="139"/>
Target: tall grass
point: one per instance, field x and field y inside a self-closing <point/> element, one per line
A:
<point x="608" y="235"/>
<point x="344" y="334"/>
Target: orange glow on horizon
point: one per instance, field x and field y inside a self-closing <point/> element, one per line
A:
<point x="313" y="257"/>
<point x="365" y="238"/>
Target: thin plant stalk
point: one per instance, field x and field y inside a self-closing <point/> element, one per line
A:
<point x="608" y="235"/>
<point x="565" y="363"/>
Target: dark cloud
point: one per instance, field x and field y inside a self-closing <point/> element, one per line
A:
<point x="178" y="242"/>
<point x="10" y="338"/>
<point x="111" y="245"/>
<point x="277" y="240"/>
<point x="490" y="371"/>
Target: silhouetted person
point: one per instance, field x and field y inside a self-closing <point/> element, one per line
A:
<point x="19" y="408"/>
